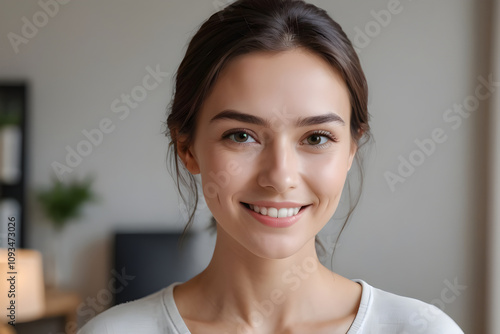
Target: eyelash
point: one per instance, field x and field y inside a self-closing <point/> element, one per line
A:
<point x="322" y="133"/>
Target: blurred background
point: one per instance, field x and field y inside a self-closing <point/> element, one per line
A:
<point x="84" y="87"/>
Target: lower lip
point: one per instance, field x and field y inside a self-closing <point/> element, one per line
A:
<point x="276" y="222"/>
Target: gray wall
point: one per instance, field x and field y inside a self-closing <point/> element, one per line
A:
<point x="493" y="264"/>
<point x="412" y="239"/>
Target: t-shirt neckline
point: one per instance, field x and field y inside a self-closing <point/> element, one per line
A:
<point x="181" y="327"/>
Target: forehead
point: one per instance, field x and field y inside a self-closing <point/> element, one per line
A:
<point x="261" y="83"/>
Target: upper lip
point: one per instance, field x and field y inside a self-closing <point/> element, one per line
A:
<point x="277" y="205"/>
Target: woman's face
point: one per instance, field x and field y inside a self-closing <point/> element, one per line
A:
<point x="265" y="148"/>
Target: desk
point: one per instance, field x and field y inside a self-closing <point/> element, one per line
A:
<point x="63" y="303"/>
<point x="58" y="303"/>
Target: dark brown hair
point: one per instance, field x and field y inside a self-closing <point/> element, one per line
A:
<point x="247" y="26"/>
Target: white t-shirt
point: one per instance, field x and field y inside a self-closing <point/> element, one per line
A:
<point x="380" y="312"/>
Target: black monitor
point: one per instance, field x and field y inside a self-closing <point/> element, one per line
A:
<point x="153" y="259"/>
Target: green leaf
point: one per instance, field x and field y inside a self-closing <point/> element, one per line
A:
<point x="63" y="201"/>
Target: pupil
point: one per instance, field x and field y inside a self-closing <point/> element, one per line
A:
<point x="242" y="136"/>
<point x="315" y="136"/>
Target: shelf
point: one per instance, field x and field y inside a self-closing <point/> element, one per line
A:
<point x="13" y="162"/>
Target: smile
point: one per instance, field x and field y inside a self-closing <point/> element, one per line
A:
<point x="274" y="217"/>
<point x="274" y="212"/>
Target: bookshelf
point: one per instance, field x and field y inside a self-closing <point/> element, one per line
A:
<point x="13" y="164"/>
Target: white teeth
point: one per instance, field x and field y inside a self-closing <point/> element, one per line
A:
<point x="273" y="212"/>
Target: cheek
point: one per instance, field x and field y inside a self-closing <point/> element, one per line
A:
<point x="326" y="173"/>
<point x="230" y="173"/>
<point x="221" y="175"/>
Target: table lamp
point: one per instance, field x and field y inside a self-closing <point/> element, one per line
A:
<point x="22" y="291"/>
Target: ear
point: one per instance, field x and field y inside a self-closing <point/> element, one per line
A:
<point x="352" y="153"/>
<point x="187" y="157"/>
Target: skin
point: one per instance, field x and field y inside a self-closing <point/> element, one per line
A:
<point x="253" y="263"/>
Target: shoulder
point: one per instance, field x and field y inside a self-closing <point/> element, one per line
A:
<point x="386" y="312"/>
<point x="145" y="315"/>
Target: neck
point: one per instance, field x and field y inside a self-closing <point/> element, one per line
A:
<point x="245" y="288"/>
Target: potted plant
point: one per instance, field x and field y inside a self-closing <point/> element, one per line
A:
<point x="61" y="203"/>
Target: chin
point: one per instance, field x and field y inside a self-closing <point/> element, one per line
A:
<point x="275" y="247"/>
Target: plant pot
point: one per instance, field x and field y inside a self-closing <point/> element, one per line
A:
<point x="53" y="261"/>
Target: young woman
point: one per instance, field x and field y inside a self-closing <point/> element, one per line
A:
<point x="270" y="109"/>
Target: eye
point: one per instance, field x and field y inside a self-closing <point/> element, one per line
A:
<point x="317" y="141"/>
<point x="319" y="138"/>
<point x="240" y="136"/>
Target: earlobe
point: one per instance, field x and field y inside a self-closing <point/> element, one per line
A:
<point x="354" y="149"/>
<point x="190" y="162"/>
<point x="188" y="159"/>
<point x="351" y="157"/>
<point x="352" y="154"/>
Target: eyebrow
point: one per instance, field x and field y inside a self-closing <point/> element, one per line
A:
<point x="300" y="122"/>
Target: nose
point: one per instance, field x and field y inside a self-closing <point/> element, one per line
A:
<point x="279" y="167"/>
